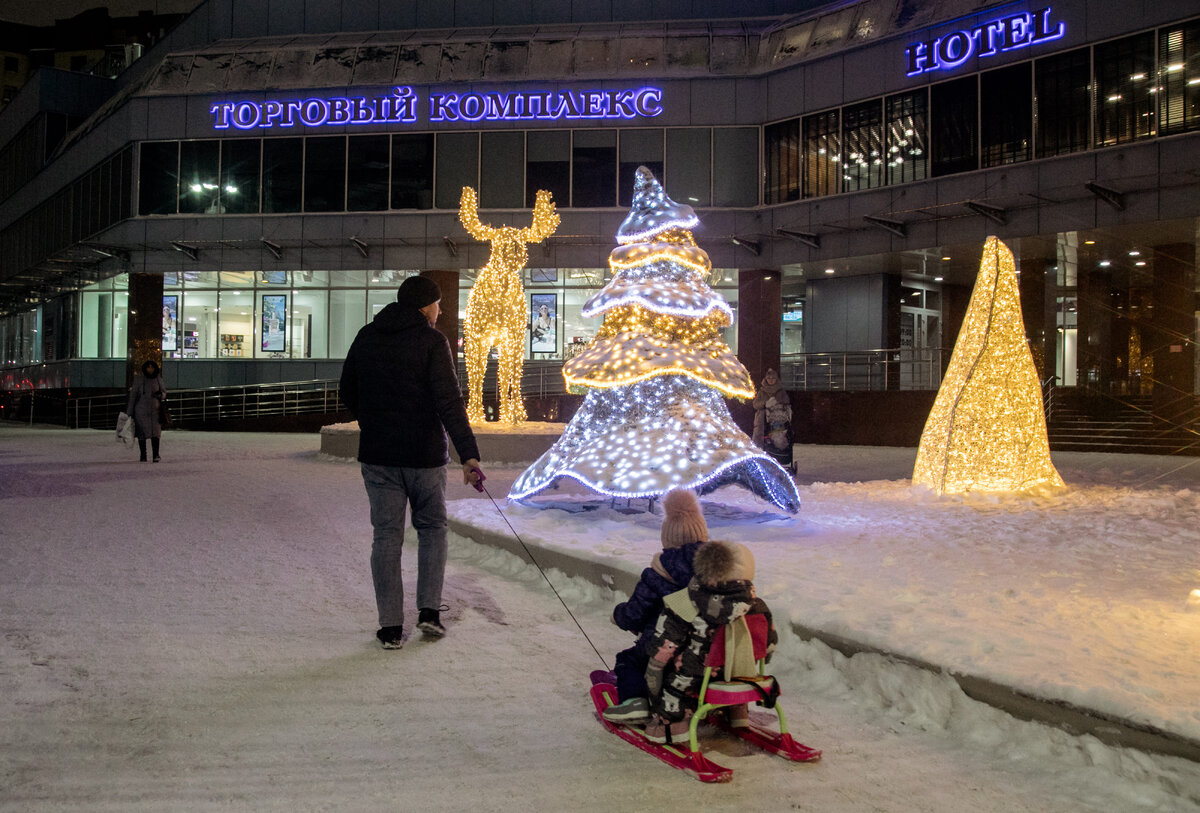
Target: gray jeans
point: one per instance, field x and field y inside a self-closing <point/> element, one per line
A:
<point x="390" y="489"/>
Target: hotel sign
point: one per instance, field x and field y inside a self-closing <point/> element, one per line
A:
<point x="404" y="106"/>
<point x="987" y="39"/>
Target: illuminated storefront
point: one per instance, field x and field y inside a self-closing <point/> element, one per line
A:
<point x="282" y="173"/>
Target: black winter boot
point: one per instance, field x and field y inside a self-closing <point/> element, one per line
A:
<point x="142" y="446"/>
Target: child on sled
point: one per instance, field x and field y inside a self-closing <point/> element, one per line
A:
<point x="721" y="591"/>
<point x="683" y="530"/>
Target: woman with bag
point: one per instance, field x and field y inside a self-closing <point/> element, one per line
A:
<point x="773" y="420"/>
<point x="146" y="397"/>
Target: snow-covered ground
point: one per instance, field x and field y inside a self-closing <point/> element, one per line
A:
<point x="198" y="634"/>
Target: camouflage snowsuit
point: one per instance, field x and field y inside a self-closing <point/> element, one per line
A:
<point x="683" y="635"/>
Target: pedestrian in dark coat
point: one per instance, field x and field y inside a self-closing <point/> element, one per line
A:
<point x="399" y="381"/>
<point x="146" y="395"/>
<point x="683" y="530"/>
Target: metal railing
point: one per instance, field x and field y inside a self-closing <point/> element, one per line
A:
<point x="863" y="370"/>
<point x="210" y="404"/>
<point x="192" y="407"/>
<point x="851" y="371"/>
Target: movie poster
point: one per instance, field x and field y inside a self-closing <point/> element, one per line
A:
<point x="170" y="324"/>
<point x="274" y="323"/>
<point x="543" y="327"/>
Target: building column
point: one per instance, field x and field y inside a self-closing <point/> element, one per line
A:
<point x="760" y="320"/>
<point x="145" y="323"/>
<point x="1173" y="330"/>
<point x="1032" y="284"/>
<point x="1098" y="340"/>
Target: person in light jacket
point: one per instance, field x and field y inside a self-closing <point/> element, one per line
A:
<point x="145" y="397"/>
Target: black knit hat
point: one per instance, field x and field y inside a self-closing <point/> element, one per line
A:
<point x="417" y="292"/>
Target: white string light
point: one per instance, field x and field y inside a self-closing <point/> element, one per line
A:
<point x="654" y="417"/>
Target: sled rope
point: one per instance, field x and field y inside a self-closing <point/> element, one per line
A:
<point x="543" y="572"/>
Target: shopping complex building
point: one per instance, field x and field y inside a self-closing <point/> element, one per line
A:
<point x="251" y="190"/>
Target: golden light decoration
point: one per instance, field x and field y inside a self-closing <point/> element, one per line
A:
<point x="497" y="313"/>
<point x="656" y="375"/>
<point x="987" y="428"/>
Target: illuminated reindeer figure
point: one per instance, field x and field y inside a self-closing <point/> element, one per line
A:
<point x="497" y="313"/>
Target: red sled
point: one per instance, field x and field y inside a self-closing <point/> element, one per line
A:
<point x="760" y="689"/>
<point x="691" y="761"/>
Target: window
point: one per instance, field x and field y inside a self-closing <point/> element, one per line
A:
<point x="638" y="148"/>
<point x="283" y="174"/>
<point x="954" y="121"/>
<point x="783" y="157"/>
<point x="412" y="171"/>
<point x="1006" y="115"/>
<point x="367" y="172"/>
<point x="689" y="164"/>
<point x="1062" y="85"/>
<point x="907" y="141"/>
<point x="735" y="151"/>
<point x="1125" y="88"/>
<point x="862" y="146"/>
<point x="1179" y="78"/>
<point x="594" y="168"/>
<point x="548" y="166"/>
<point x="502" y="170"/>
<point x="457" y="166"/>
<point x="199" y="172"/>
<point x="822" y="150"/>
<point x="240" y="161"/>
<point x="347" y="314"/>
<point x="325" y="174"/>
<point x="158" y="178"/>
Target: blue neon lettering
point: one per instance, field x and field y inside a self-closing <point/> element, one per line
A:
<point x="362" y="111"/>
<point x="955" y="49"/>
<point x="271" y="111"/>
<point x="220" y="112"/>
<point x="402" y="104"/>
<point x="472" y="106"/>
<point x="314" y="112"/>
<point x="1041" y="27"/>
<point x="1004" y="34"/>
<point x="339" y="111"/>
<point x="439" y="107"/>
<point x="246" y="115"/>
<point x="648" y="102"/>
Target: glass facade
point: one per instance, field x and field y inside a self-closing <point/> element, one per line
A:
<point x="1179" y="78"/>
<point x="302" y="314"/>
<point x="1112" y="93"/>
<point x="370" y="173"/>
<point x="1125" y="90"/>
<point x="1063" y="102"/>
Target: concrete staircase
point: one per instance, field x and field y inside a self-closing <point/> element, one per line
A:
<point x="1125" y="426"/>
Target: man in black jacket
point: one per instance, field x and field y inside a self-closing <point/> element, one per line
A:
<point x="399" y="381"/>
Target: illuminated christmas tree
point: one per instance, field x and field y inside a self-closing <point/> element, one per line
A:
<point x="987" y="428"/>
<point x="654" y="416"/>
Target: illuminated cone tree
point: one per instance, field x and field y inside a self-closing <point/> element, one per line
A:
<point x="987" y="428"/>
<point x="654" y="415"/>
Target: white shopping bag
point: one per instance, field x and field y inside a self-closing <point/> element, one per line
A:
<point x="124" y="427"/>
